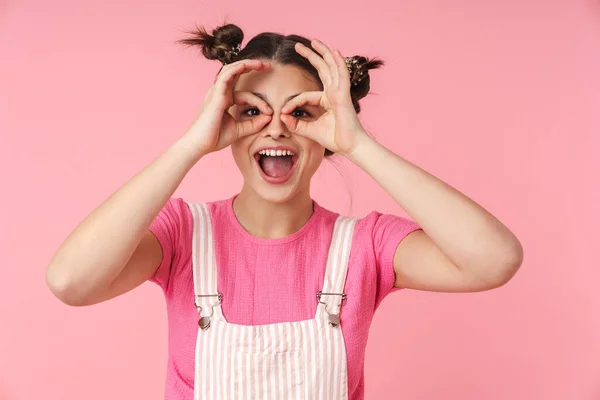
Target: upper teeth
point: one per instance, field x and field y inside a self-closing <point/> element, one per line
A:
<point x="274" y="153"/>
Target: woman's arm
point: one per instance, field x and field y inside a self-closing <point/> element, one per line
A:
<point x="462" y="247"/>
<point x="112" y="251"/>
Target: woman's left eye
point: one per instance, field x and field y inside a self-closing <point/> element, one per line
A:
<point x="306" y="114"/>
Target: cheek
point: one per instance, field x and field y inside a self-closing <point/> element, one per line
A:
<point x="239" y="151"/>
<point x="316" y="154"/>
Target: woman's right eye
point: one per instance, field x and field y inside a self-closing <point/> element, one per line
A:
<point x="245" y="112"/>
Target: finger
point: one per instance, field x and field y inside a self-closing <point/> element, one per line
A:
<point x="317" y="62"/>
<point x="228" y="77"/>
<point x="249" y="98"/>
<point x="328" y="57"/>
<point x="231" y="72"/>
<point x="343" y="72"/>
<point x="253" y="125"/>
<point x="305" y="98"/>
<point x="297" y="126"/>
<point x="246" y="62"/>
<point x="226" y="70"/>
<point x="294" y="125"/>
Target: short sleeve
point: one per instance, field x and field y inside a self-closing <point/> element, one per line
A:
<point x="388" y="232"/>
<point x="169" y="228"/>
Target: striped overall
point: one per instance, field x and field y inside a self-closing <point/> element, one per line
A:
<point x="287" y="360"/>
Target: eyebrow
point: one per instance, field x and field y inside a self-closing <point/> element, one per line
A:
<point x="262" y="96"/>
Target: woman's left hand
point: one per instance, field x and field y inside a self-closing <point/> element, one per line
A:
<point x="338" y="128"/>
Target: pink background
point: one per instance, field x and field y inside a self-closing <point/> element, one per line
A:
<point x="501" y="99"/>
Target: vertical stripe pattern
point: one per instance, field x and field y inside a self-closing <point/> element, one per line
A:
<point x="302" y="360"/>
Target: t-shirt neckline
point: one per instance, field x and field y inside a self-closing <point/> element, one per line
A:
<point x="317" y="211"/>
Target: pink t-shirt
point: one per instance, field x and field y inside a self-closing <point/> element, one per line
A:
<point x="266" y="281"/>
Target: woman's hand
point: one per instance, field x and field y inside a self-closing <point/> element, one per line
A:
<point x="338" y="129"/>
<point x="214" y="128"/>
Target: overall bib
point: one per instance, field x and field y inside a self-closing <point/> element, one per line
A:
<point x="301" y="360"/>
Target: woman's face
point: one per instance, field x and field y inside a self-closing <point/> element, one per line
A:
<point x="276" y="164"/>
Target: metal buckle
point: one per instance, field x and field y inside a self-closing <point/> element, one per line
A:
<point x="334" y="319"/>
<point x="320" y="293"/>
<point x="219" y="296"/>
<point x="204" y="322"/>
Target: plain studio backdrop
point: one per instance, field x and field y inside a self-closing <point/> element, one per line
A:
<point x="500" y="99"/>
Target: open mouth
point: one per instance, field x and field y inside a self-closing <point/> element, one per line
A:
<point x="276" y="165"/>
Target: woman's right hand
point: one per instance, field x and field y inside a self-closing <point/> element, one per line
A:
<point x="214" y="128"/>
<point x="91" y="266"/>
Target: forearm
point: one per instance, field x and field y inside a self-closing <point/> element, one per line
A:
<point x="97" y="250"/>
<point x="469" y="235"/>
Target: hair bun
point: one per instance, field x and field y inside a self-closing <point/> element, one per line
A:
<point x="223" y="44"/>
<point x="360" y="80"/>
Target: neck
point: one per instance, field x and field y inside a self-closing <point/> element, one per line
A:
<point x="268" y="220"/>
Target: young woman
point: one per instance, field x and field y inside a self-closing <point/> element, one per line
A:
<point x="270" y="295"/>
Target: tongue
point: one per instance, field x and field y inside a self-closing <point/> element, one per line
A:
<point x="276" y="166"/>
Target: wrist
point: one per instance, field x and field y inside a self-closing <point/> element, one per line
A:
<point x="188" y="149"/>
<point x="365" y="146"/>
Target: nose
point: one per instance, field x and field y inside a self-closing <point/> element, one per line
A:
<point x="276" y="129"/>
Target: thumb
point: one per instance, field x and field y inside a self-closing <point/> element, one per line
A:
<point x="294" y="125"/>
<point x="253" y="125"/>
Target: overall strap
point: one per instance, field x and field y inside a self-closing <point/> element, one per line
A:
<point x="336" y="270"/>
<point x="204" y="266"/>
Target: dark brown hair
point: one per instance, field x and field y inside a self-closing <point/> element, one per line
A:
<point x="224" y="44"/>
